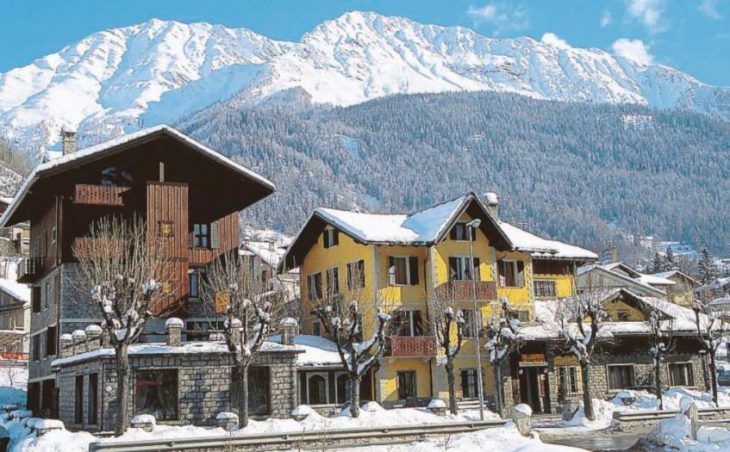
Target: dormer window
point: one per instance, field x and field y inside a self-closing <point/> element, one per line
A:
<point x="331" y="238"/>
<point x="460" y="231"/>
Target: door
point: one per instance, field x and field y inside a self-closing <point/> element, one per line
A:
<point x="406" y="385"/>
<point x="534" y="389"/>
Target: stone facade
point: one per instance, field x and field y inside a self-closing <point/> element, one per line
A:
<point x="203" y="384"/>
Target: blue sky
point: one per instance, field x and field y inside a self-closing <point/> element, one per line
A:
<point x="692" y="35"/>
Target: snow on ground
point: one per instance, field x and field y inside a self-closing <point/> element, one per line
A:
<point x="644" y="401"/>
<point x="372" y="415"/>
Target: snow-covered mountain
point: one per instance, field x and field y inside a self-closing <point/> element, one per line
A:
<point x="160" y="71"/>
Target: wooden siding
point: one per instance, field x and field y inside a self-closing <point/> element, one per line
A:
<point x="100" y="195"/>
<point x="167" y="207"/>
<point x="227" y="240"/>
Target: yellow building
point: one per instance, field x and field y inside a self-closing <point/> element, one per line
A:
<point x="399" y="262"/>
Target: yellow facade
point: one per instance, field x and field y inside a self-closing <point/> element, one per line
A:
<point x="433" y="271"/>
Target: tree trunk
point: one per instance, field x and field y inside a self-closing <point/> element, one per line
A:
<point x="354" y="387"/>
<point x="713" y="377"/>
<point x="122" y="390"/>
<point x="587" y="400"/>
<point x="658" y="382"/>
<point x="243" y="396"/>
<point x="452" y="384"/>
<point x="497" y="370"/>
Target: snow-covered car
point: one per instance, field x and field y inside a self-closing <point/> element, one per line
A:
<point x="723" y="374"/>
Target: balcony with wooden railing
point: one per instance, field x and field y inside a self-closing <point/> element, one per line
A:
<point x="410" y="346"/>
<point x="486" y="291"/>
<point x="29" y="269"/>
<point x="99" y="195"/>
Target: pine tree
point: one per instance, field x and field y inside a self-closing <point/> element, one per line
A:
<point x="658" y="263"/>
<point x="670" y="263"/>
<point x="706" y="267"/>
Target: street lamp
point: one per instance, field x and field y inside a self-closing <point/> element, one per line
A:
<point x="472" y="226"/>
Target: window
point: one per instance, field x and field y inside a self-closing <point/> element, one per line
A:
<point x="201" y="235"/>
<point x="523" y="316"/>
<point x="47" y="295"/>
<point x="331" y="238"/>
<point x="620" y="376"/>
<point x="403" y="271"/>
<point x="93" y="398"/>
<point x="569" y="379"/>
<point x="155" y="393"/>
<point x="79" y="398"/>
<point x="356" y="275"/>
<point x="316" y="328"/>
<point x="460" y="270"/>
<point x="623" y="315"/>
<point x="511" y="273"/>
<point x="37" y="347"/>
<point x="407" y="323"/>
<point x="461" y="232"/>
<point x="34" y="397"/>
<point x="113" y="176"/>
<point x="165" y="229"/>
<point x="342" y="385"/>
<point x="35" y="296"/>
<point x="406" y="385"/>
<point x="314" y="286"/>
<point x="317" y="389"/>
<point x="469" y="388"/>
<point x="258" y="390"/>
<point x="333" y="281"/>
<point x="51" y="334"/>
<point x="545" y="288"/>
<point x="680" y="374"/>
<point x="194" y="284"/>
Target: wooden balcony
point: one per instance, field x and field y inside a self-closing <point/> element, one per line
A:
<point x="410" y="346"/>
<point x="99" y="195"/>
<point x="462" y="290"/>
<point x="29" y="269"/>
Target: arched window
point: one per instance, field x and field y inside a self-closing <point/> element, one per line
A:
<point x="342" y="388"/>
<point x="317" y="385"/>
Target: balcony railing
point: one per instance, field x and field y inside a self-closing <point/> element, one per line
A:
<point x="100" y="195"/>
<point x="463" y="290"/>
<point x="410" y="346"/>
<point x="29" y="268"/>
<point x="13" y="356"/>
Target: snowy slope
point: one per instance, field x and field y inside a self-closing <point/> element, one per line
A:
<point x="158" y="71"/>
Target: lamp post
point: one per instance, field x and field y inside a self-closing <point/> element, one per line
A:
<point x="472" y="225"/>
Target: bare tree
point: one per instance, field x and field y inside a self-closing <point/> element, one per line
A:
<point x="502" y="339"/>
<point x="449" y="324"/>
<point x="124" y="270"/>
<point x="342" y="315"/>
<point x="659" y="347"/>
<point x="248" y="309"/>
<point x="580" y="319"/>
<point x="711" y="330"/>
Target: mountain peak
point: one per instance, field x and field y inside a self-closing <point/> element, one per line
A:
<point x="161" y="70"/>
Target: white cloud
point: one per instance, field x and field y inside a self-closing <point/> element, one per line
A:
<point x="606" y="18"/>
<point x="555" y="41"/>
<point x="648" y="12"/>
<point x="500" y="16"/>
<point x="633" y="49"/>
<point x="709" y="9"/>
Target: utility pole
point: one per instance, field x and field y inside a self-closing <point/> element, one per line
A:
<point x="472" y="225"/>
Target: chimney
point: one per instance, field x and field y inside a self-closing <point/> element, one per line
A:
<point x="491" y="200"/>
<point x="69" y="141"/>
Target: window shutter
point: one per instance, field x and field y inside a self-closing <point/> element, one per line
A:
<point x="391" y="270"/>
<point x="214" y="235"/>
<point x="335" y="237"/>
<point x="453" y="269"/>
<point x="452" y="233"/>
<point x="326" y="238"/>
<point x="413" y="267"/>
<point x="520" y="273"/>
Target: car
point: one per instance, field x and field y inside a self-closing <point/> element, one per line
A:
<point x="723" y="374"/>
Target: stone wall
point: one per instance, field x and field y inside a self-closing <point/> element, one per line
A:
<point x="204" y="383"/>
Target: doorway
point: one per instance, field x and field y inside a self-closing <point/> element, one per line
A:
<point x="534" y="388"/>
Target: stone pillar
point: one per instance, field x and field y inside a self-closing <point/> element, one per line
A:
<point x="93" y="334"/>
<point x="289" y="328"/>
<point x="521" y="415"/>
<point x="236" y="326"/>
<point x="173" y="329"/>
<point x="66" y="343"/>
<point x="79" y="341"/>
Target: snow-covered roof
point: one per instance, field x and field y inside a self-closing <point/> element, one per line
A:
<point x="16" y="290"/>
<point x="264" y="252"/>
<point x="318" y="351"/>
<point x="654" y="280"/>
<point x="671" y="273"/>
<point x="678" y="319"/>
<point x="161" y="348"/>
<point x="546" y="248"/>
<point x="108" y="146"/>
<point x="423" y="227"/>
<point x="630" y="282"/>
